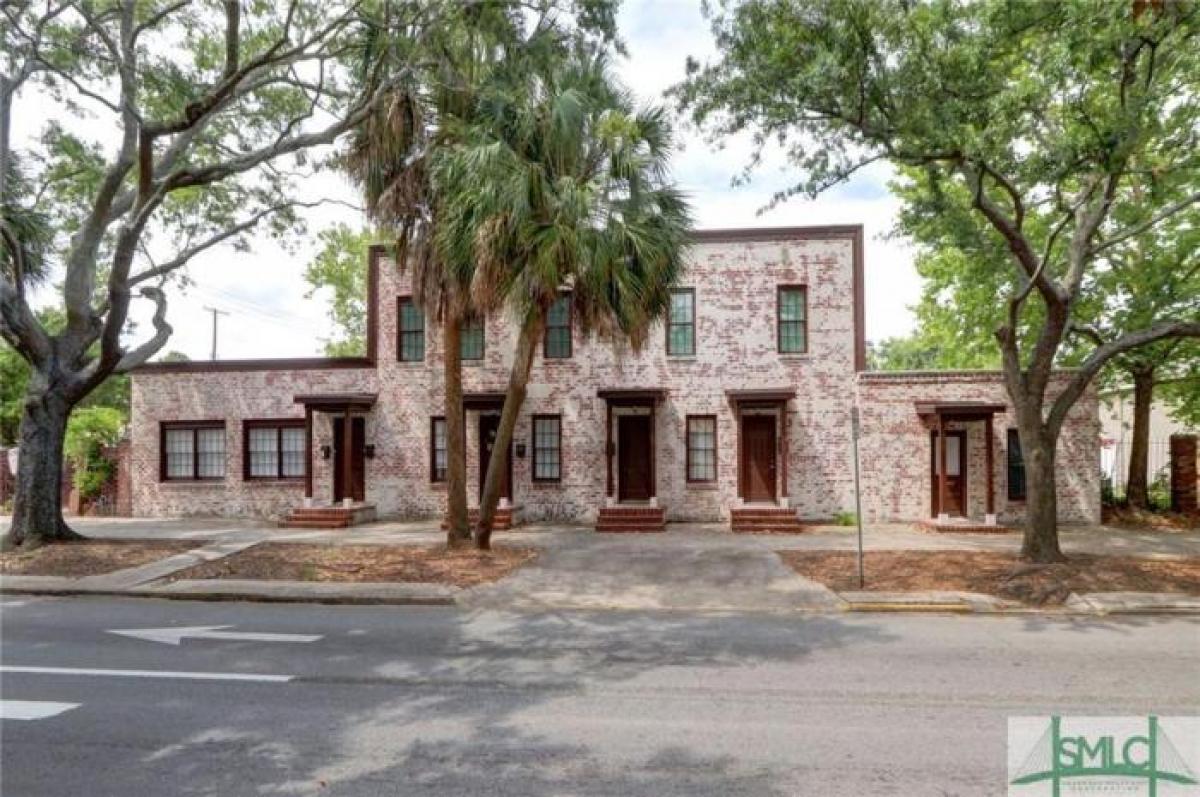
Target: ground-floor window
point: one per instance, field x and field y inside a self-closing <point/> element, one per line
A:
<point x="1016" y="467"/>
<point x="192" y="450"/>
<point x="437" y="450"/>
<point x="273" y="449"/>
<point x="701" y="448"/>
<point x="547" y="448"/>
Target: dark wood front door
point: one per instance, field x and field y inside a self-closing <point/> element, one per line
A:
<point x="633" y="458"/>
<point x="956" y="473"/>
<point x="488" y="426"/>
<point x="758" y="457"/>
<point x="358" y="464"/>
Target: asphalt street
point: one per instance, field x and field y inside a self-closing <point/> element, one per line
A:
<point x="442" y="701"/>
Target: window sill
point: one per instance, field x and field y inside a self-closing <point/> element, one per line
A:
<point x="410" y="363"/>
<point x="702" y="486"/>
<point x="191" y="483"/>
<point x="291" y="481"/>
<point x="546" y="484"/>
<point x="795" y="356"/>
<point x="682" y="358"/>
<point x="438" y="487"/>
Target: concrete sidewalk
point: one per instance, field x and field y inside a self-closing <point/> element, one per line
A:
<point x="691" y="567"/>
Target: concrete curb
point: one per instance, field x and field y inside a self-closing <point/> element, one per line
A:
<point x="236" y="590"/>
<point x="1092" y="604"/>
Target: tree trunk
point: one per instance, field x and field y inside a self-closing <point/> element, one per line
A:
<point x="518" y="380"/>
<point x="1041" y="498"/>
<point x="1136" y="486"/>
<point x="37" y="506"/>
<point x="458" y="529"/>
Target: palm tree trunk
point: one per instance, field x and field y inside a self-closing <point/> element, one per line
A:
<point x="458" y="530"/>
<point x="518" y="380"/>
<point x="1136" y="486"/>
<point x="37" y="505"/>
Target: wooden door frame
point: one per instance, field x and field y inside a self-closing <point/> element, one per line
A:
<point x="338" y="471"/>
<point x="961" y="434"/>
<point x="483" y="465"/>
<point x="744" y="456"/>
<point x="648" y="418"/>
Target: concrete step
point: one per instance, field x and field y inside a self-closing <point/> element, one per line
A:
<point x="309" y="523"/>
<point x="765" y="520"/>
<point x="630" y="528"/>
<point x="631" y="519"/>
<point x="503" y="521"/>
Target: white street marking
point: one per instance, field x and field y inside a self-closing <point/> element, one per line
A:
<point x="32" y="709"/>
<point x="174" y="636"/>
<point x="189" y="676"/>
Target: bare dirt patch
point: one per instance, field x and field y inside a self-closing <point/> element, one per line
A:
<point x="1124" y="517"/>
<point x="89" y="557"/>
<point x="460" y="567"/>
<point x="997" y="574"/>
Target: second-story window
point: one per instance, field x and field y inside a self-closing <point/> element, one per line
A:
<point x="470" y="345"/>
<point x="793" y="319"/>
<point x="411" y="346"/>
<point x="557" y="344"/>
<point x="681" y="322"/>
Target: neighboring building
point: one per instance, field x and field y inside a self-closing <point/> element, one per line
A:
<point x="1116" y="433"/>
<point x="740" y="403"/>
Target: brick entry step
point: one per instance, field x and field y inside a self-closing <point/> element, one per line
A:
<point x="765" y="520"/>
<point x="503" y="521"/>
<point x="631" y="519"/>
<point x="328" y="517"/>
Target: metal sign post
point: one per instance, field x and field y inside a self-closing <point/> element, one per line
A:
<point x="857" y="495"/>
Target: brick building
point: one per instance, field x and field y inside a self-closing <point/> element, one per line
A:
<point x="740" y="405"/>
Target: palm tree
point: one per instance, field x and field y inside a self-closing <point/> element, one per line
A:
<point x="405" y="159"/>
<point x="563" y="183"/>
<point x="392" y="159"/>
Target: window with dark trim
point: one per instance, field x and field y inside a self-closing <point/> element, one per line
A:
<point x="410" y="347"/>
<point x="192" y="451"/>
<point x="547" y="448"/>
<point x="1016" y="467"/>
<point x="681" y="322"/>
<point x="437" y="449"/>
<point x="701" y="448"/>
<point x="470" y="344"/>
<point x="557" y="342"/>
<point x="273" y="449"/>
<point x="792" y="319"/>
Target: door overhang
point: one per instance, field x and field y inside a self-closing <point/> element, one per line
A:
<point x="649" y="397"/>
<point x="936" y="414"/>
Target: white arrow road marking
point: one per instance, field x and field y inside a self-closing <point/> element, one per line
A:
<point x="174" y="636"/>
<point x="189" y="676"/>
<point x="32" y="709"/>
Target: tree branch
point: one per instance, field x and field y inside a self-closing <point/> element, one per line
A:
<point x="162" y="332"/>
<point x="1105" y="352"/>
<point x="1138" y="229"/>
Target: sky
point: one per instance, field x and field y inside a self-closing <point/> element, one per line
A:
<point x="264" y="294"/>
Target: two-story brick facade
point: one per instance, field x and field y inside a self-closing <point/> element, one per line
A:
<point x="742" y="399"/>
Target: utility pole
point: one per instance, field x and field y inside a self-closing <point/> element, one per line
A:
<point x="215" y="313"/>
